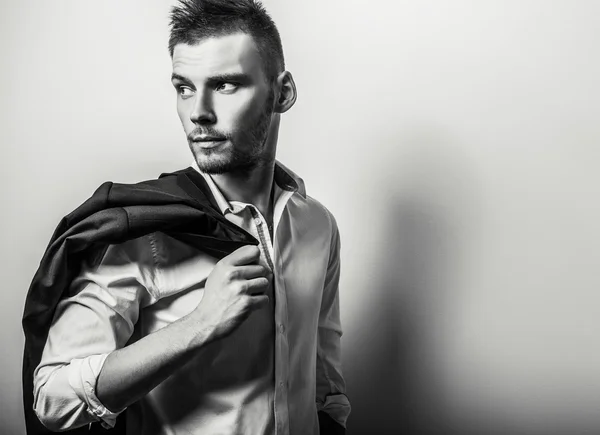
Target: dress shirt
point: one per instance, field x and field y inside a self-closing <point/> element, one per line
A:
<point x="270" y="376"/>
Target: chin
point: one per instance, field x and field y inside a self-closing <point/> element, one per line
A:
<point x="211" y="161"/>
<point x="225" y="164"/>
<point x="223" y="160"/>
<point x="213" y="164"/>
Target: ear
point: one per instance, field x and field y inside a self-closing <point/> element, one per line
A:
<point x="287" y="92"/>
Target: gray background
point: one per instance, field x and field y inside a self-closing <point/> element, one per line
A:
<point x="457" y="142"/>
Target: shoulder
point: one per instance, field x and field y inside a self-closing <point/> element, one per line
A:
<point x="110" y="196"/>
<point x="308" y="207"/>
<point x="322" y="221"/>
<point x="320" y="210"/>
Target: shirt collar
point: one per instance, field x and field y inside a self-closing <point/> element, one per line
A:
<point x="284" y="177"/>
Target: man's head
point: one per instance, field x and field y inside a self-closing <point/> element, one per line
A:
<point x="195" y="20"/>
<point x="228" y="70"/>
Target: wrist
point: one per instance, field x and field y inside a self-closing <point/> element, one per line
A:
<point x="197" y="330"/>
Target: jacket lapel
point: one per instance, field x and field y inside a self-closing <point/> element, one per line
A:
<point x="195" y="186"/>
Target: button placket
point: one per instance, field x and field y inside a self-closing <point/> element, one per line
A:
<point x="282" y="350"/>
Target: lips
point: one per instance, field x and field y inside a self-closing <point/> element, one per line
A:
<point x="208" y="142"/>
<point x="207" y="139"/>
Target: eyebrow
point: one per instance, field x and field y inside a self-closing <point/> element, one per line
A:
<point x="183" y="79"/>
<point x="233" y="77"/>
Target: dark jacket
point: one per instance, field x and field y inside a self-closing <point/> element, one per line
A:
<point x="179" y="204"/>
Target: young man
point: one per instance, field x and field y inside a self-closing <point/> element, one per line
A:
<point x="188" y="343"/>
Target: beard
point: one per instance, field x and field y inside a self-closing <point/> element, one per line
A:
<point x="235" y="158"/>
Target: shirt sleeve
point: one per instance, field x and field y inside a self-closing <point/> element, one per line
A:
<point x="97" y="317"/>
<point x="331" y="388"/>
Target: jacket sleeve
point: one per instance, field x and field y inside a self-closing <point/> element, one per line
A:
<point x="332" y="403"/>
<point x="96" y="318"/>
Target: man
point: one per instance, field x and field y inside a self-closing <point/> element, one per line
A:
<point x="187" y="343"/>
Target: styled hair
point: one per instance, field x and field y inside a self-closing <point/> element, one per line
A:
<point x="194" y="20"/>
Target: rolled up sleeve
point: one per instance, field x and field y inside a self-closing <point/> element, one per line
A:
<point x="331" y="388"/>
<point x="97" y="317"/>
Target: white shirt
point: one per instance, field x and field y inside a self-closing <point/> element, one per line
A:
<point x="270" y="376"/>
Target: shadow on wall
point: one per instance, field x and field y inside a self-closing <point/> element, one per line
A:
<point x="405" y="375"/>
<point x="397" y="386"/>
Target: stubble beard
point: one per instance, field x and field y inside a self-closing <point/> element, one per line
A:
<point x="233" y="159"/>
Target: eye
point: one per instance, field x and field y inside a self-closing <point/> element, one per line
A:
<point x="227" y="87"/>
<point x="185" y="91"/>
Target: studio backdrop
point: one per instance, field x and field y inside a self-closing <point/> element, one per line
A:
<point x="456" y="142"/>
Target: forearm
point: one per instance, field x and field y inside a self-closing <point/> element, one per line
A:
<point x="131" y="372"/>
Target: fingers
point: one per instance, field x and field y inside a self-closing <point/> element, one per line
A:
<point x="251" y="271"/>
<point x="256" y="286"/>
<point x="259" y="301"/>
<point x="244" y="255"/>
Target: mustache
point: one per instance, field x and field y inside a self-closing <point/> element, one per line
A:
<point x="206" y="131"/>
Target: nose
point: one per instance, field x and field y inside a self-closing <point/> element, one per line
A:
<point x="203" y="112"/>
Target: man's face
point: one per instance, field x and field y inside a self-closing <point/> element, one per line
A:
<point x="224" y="102"/>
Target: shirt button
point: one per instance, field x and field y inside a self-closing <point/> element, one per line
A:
<point x="257" y="221"/>
<point x="281" y="328"/>
<point x="281" y="384"/>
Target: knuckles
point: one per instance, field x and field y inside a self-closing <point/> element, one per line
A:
<point x="242" y="286"/>
<point x="231" y="275"/>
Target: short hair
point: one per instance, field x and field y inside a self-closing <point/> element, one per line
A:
<point x="194" y="20"/>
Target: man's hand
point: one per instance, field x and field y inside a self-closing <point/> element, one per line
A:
<point x="233" y="290"/>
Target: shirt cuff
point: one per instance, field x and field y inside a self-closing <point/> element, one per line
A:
<point x="83" y="375"/>
<point x="337" y="406"/>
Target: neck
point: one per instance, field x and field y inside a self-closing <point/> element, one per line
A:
<point x="254" y="186"/>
